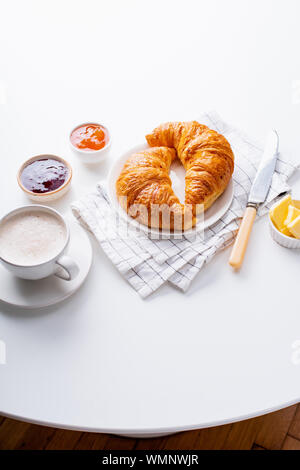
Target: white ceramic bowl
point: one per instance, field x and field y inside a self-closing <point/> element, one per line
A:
<point x="51" y="195"/>
<point x="91" y="156"/>
<point x="283" y="240"/>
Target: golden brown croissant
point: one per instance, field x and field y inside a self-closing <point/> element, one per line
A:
<point x="144" y="183"/>
<point x="144" y="190"/>
<point x="206" y="156"/>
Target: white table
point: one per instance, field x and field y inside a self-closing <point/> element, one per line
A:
<point x="105" y="360"/>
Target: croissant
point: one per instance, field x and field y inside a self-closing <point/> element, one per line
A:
<point x="144" y="190"/>
<point x="206" y="156"/>
<point x="144" y="186"/>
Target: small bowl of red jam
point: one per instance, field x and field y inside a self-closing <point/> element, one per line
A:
<point x="45" y="177"/>
<point x="91" y="141"/>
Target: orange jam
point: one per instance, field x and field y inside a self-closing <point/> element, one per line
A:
<point x="89" y="137"/>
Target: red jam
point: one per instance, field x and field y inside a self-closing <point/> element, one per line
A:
<point x="89" y="137"/>
<point x="45" y="175"/>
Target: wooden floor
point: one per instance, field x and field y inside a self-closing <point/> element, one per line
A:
<point x="279" y="430"/>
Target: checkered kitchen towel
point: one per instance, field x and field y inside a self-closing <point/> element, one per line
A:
<point x="146" y="263"/>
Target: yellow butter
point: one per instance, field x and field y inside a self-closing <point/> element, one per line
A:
<point x="294" y="227"/>
<point x="279" y="212"/>
<point x="286" y="232"/>
<point x="293" y="213"/>
<point x="296" y="203"/>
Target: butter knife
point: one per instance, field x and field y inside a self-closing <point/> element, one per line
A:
<point x="258" y="194"/>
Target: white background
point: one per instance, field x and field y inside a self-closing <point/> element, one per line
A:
<point x="105" y="359"/>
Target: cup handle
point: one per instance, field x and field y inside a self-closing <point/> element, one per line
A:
<point x="67" y="269"/>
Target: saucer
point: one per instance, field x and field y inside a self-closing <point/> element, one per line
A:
<point x="51" y="290"/>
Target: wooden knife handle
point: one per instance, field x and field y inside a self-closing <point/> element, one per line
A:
<point x="241" y="242"/>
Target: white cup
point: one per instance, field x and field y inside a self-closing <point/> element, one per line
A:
<point x="60" y="265"/>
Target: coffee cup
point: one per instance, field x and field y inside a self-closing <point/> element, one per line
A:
<point x="33" y="243"/>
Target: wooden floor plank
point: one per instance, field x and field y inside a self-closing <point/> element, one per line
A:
<point x="294" y="429"/>
<point x="181" y="441"/>
<point x="24" y="436"/>
<point x="212" y="438"/>
<point x="91" y="441"/>
<point x="205" y="439"/>
<point x="151" y="443"/>
<point x="12" y="433"/>
<point x="120" y="443"/>
<point x="274" y="428"/>
<point x="242" y="435"/>
<point x="291" y="444"/>
<point x="36" y="437"/>
<point x="63" y="440"/>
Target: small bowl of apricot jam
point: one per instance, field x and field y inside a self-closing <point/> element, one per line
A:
<point x="45" y="177"/>
<point x="91" y="141"/>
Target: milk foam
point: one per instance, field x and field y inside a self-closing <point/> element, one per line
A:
<point x="31" y="238"/>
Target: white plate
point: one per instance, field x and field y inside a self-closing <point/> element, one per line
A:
<point x="49" y="291"/>
<point x="177" y="174"/>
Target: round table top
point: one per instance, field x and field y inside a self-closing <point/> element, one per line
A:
<point x="106" y="360"/>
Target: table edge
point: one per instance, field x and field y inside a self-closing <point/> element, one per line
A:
<point x="143" y="432"/>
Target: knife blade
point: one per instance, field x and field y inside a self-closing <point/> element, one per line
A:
<point x="258" y="194"/>
<point x="263" y="178"/>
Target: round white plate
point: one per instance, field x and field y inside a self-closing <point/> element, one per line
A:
<point x="49" y="291"/>
<point x="177" y="174"/>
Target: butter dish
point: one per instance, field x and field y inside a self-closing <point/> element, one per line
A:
<point x="277" y="235"/>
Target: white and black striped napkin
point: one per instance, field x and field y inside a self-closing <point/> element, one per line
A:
<point x="146" y="263"/>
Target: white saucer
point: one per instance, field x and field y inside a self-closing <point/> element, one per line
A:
<point x="49" y="291"/>
<point x="177" y="174"/>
